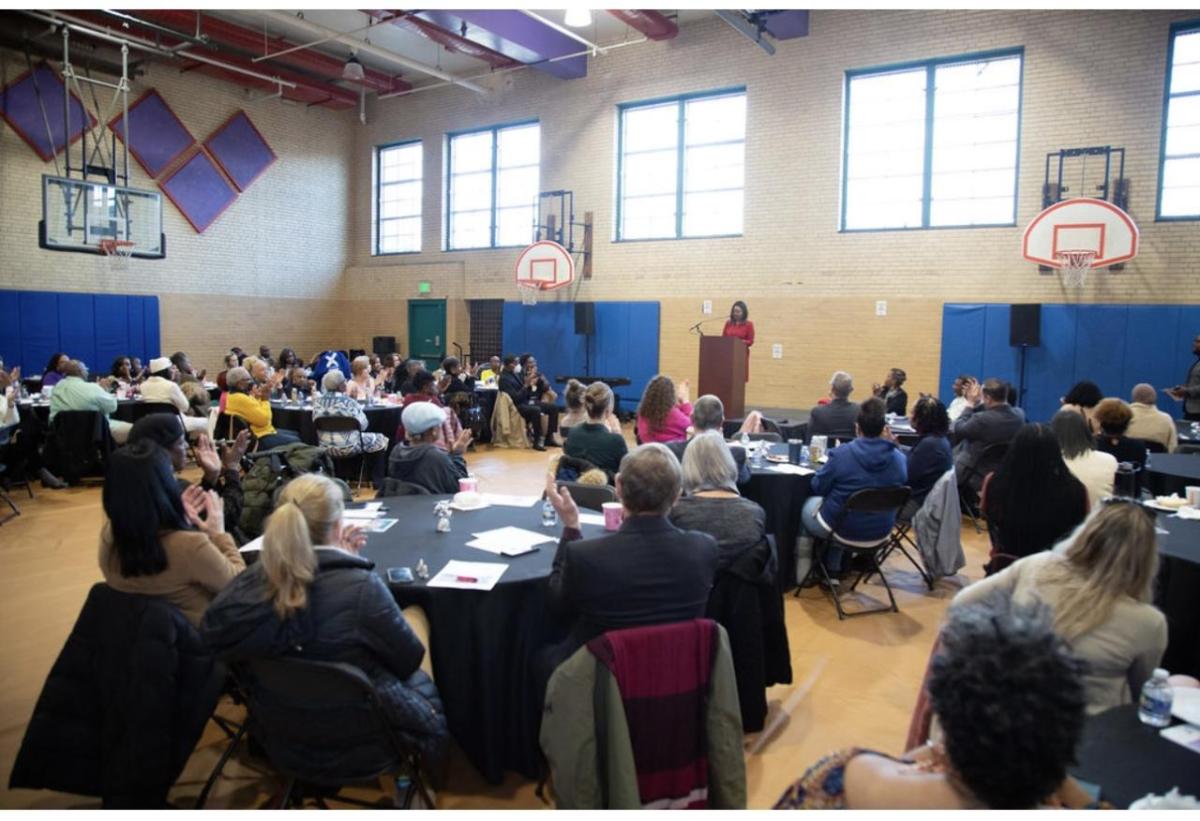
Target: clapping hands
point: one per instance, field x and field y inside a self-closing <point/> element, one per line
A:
<point x="204" y="510"/>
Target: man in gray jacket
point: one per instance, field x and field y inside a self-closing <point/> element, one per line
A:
<point x="840" y="415"/>
<point x="1189" y="392"/>
<point x="988" y="420"/>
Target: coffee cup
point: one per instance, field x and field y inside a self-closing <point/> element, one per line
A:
<point x="1192" y="492"/>
<point x="794" y="446"/>
<point x="612" y="515"/>
<point x="469" y="485"/>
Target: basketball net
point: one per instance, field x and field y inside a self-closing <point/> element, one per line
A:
<point x="529" y="292"/>
<point x="117" y="253"/>
<point x="1075" y="266"/>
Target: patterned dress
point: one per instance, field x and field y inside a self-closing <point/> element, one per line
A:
<point x="823" y="787"/>
<point x="345" y="443"/>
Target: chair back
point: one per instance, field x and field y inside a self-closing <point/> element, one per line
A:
<point x="150" y="408"/>
<point x="229" y="426"/>
<point x="307" y="714"/>
<point x="765" y="436"/>
<point x="1155" y="446"/>
<point x="398" y="487"/>
<point x="336" y="424"/>
<point x="771" y="426"/>
<point x="590" y="496"/>
<point x="80" y="444"/>
<point x="875" y="500"/>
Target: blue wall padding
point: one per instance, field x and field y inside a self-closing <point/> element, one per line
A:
<point x="625" y="342"/>
<point x="1115" y="346"/>
<point x="96" y="328"/>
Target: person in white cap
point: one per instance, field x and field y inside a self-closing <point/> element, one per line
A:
<point x="161" y="387"/>
<point x="420" y="461"/>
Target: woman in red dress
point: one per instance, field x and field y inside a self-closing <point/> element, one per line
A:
<point x="739" y="325"/>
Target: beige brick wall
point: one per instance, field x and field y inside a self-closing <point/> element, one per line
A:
<point x="303" y="231"/>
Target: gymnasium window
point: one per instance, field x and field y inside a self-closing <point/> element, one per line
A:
<point x="1179" y="178"/>
<point x="398" y="198"/>
<point x="492" y="186"/>
<point x="932" y="144"/>
<point x="681" y="166"/>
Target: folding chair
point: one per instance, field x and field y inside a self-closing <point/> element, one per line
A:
<point x="900" y="536"/>
<point x="592" y="497"/>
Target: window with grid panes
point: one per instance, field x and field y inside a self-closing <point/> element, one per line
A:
<point x="492" y="186"/>
<point x="398" y="198"/>
<point x="1179" y="179"/>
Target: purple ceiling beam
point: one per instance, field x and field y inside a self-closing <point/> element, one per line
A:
<point x="514" y="35"/>
<point x="784" y="25"/>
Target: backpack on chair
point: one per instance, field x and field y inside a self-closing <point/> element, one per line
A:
<point x="271" y="471"/>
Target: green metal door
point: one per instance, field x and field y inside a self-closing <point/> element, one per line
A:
<point x="427" y="331"/>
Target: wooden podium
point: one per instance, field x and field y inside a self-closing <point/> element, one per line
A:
<point x="723" y="372"/>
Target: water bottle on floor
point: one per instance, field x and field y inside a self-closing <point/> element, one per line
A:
<point x="1154" y="708"/>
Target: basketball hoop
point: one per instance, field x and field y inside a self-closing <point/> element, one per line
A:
<point x="117" y="252"/>
<point x="529" y="292"/>
<point x="1075" y="264"/>
<point x="543" y="266"/>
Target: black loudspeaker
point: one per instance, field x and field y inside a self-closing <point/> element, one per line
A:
<point x="585" y="318"/>
<point x="1025" y="325"/>
<point x="383" y="345"/>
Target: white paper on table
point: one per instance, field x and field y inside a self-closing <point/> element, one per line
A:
<point x="591" y="519"/>
<point x="508" y="500"/>
<point x="513" y="538"/>
<point x="250" y="546"/>
<point x="795" y="470"/>
<point x="480" y="544"/>
<point x="378" y="525"/>
<point x="361" y="515"/>
<point x="468" y="575"/>
<point x="1184" y="735"/>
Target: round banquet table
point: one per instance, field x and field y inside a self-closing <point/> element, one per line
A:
<point x="1168" y="473"/>
<point x="1128" y="759"/>
<point x="781" y="496"/>
<point x="1175" y="591"/>
<point x="481" y="643"/>
<point x="383" y="418"/>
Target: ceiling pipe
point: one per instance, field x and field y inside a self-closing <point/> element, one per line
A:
<point x="563" y="30"/>
<point x="447" y="39"/>
<point x="654" y="25"/>
<point x="316" y="30"/>
<point x="235" y="36"/>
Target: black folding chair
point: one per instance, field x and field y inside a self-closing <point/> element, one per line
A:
<point x="765" y="436"/>
<point x="989" y="459"/>
<point x="1155" y="446"/>
<point x="398" y="487"/>
<point x="872" y="500"/>
<point x="902" y="539"/>
<point x="297" y="707"/>
<point x="592" y="497"/>
<point x="348" y="424"/>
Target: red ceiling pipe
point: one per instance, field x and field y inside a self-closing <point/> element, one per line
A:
<point x="447" y="39"/>
<point x="235" y="36"/>
<point x="307" y="90"/>
<point x="650" y="23"/>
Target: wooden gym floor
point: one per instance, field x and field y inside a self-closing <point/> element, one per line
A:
<point x="855" y="681"/>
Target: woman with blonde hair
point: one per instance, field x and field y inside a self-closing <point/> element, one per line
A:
<point x="594" y="439"/>
<point x="311" y="595"/>
<point x="665" y="411"/>
<point x="361" y="384"/>
<point x="573" y="397"/>
<point x="1097" y="585"/>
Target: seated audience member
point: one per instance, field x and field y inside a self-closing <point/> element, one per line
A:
<point x="1009" y="697"/>
<point x="230" y="361"/>
<point x="259" y="370"/>
<point x="139" y="372"/>
<point x="526" y="393"/>
<point x="326" y="361"/>
<point x="312" y="595"/>
<point x="1098" y="589"/>
<point x="1083" y="397"/>
<point x="184" y="370"/>
<point x="1095" y="469"/>
<point x="711" y="503"/>
<point x="987" y="420"/>
<point x="648" y="572"/>
<point x="55" y="370"/>
<point x="220" y="472"/>
<point x="868" y="461"/>
<point x="199" y="401"/>
<point x="930" y="457"/>
<point x="10" y="416"/>
<point x="420" y="461"/>
<point x="959" y="403"/>
<point x="839" y="416"/>
<point x="665" y="411"/>
<point x="288" y="360"/>
<point x="404" y="377"/>
<point x="593" y="439"/>
<point x="893" y="395"/>
<point x="361" y="385"/>
<point x="264" y="353"/>
<point x="1032" y="500"/>
<point x="425" y="390"/>
<point x="159" y="542"/>
<point x="376" y="365"/>
<point x="296" y="379"/>
<point x="250" y="403"/>
<point x="489" y="372"/>
<point x="708" y="413"/>
<point x="335" y="402"/>
<point x="161" y="388"/>
<point x="74" y="393"/>
<point x="1112" y="417"/>
<point x="1148" y="423"/>
<point x="573" y="398"/>
<point x="122" y="372"/>
<point x="456" y="379"/>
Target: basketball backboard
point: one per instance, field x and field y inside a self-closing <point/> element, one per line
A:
<point x="77" y="215"/>
<point x="546" y="265"/>
<point x="1081" y="224"/>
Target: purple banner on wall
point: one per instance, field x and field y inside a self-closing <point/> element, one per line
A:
<point x="199" y="190"/>
<point x="35" y="100"/>
<point x="241" y="150"/>
<point x="157" y="137"/>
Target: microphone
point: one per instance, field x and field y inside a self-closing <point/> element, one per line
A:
<point x="697" y="327"/>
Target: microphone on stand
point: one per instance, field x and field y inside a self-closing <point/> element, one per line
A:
<point x="697" y="327"/>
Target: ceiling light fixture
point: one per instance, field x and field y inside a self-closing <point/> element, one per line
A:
<point x="353" y="69"/>
<point x="578" y="18"/>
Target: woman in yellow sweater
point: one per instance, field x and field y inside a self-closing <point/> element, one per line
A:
<point x="251" y="403"/>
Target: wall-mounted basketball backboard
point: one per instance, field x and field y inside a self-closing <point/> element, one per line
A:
<point x="85" y="215"/>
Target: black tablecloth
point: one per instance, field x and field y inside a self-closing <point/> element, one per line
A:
<point x="128" y="410"/>
<point x="383" y="419"/>
<point x="1168" y="473"/>
<point x="486" y="398"/>
<point x="1176" y="592"/>
<point x="1184" y="427"/>
<point x="1129" y="759"/>
<point x="481" y="644"/>
<point x="781" y="496"/>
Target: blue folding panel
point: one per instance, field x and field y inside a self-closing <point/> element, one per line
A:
<point x="1100" y="346"/>
<point x="10" y="331"/>
<point x="1150" y="333"/>
<point x="1049" y="366"/>
<point x="962" y="345"/>
<point x="135" y="321"/>
<point x="641" y="345"/>
<point x="112" y="327"/>
<point x="39" y="330"/>
<point x="76" y="333"/>
<point x="1000" y="359"/>
<point x="152" y="342"/>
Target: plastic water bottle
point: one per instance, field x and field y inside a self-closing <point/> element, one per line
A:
<point x="804" y="459"/>
<point x="549" y="514"/>
<point x="1154" y="708"/>
<point x="756" y="456"/>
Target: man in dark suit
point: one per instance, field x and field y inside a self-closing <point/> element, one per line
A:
<point x="648" y="572"/>
<point x="987" y="420"/>
<point x="708" y="413"/>
<point x="840" y="415"/>
<point x="527" y="390"/>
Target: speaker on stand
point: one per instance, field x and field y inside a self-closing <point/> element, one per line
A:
<point x="1024" y="331"/>
<point x="585" y="325"/>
